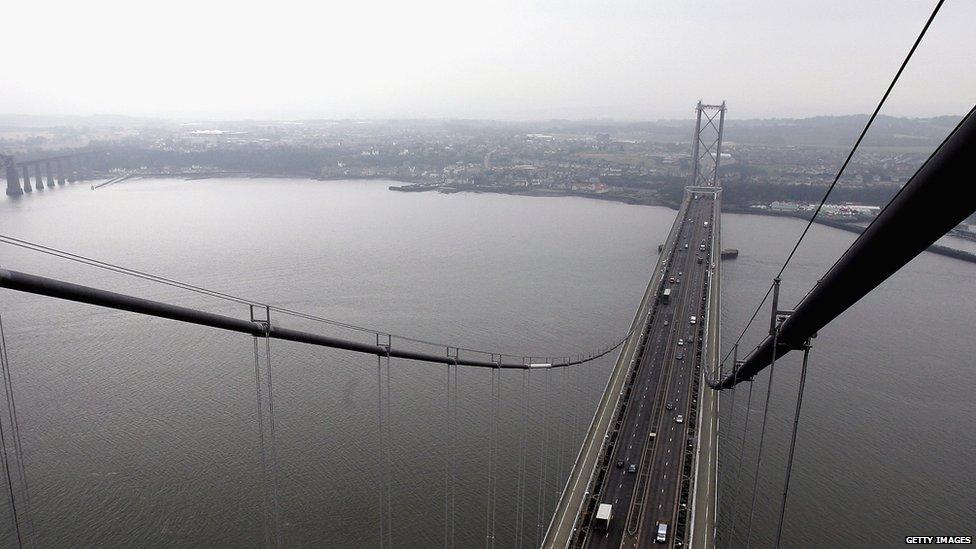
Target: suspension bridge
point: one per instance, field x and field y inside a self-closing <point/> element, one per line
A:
<point x="647" y="470"/>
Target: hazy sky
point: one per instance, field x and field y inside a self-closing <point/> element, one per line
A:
<point x="527" y="59"/>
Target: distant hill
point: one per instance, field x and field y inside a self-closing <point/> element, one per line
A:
<point x="820" y="131"/>
<point x="840" y="131"/>
<point x="33" y="121"/>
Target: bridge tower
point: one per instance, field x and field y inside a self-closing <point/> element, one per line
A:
<point x="704" y="163"/>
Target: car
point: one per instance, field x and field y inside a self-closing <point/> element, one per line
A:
<point x="662" y="532"/>
<point x="679" y="419"/>
<point x="669" y="406"/>
<point x="681" y="356"/>
<point x="677" y="281"/>
<point x="632" y="468"/>
<point x="671" y="280"/>
<point x="620" y="463"/>
<point x="680" y="273"/>
<point x="681" y="343"/>
<point x="665" y="322"/>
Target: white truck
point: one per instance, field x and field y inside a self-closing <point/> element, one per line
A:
<point x="603" y="515"/>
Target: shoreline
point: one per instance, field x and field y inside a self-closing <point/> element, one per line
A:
<point x="938" y="249"/>
<point x="633" y="198"/>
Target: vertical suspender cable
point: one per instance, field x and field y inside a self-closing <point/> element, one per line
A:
<point x="558" y="442"/>
<point x="549" y="447"/>
<point x="567" y="435"/>
<point x="382" y="444"/>
<point x="264" y="461"/>
<point x="789" y="460"/>
<point x="454" y="420"/>
<point x="489" y="520"/>
<point x="6" y="465"/>
<point x="10" y="487"/>
<point x="274" y="441"/>
<point x="389" y="467"/>
<point x="762" y="436"/>
<point x="447" y="461"/>
<point x="738" y="468"/>
<point x="15" y="423"/>
<point x="497" y="437"/>
<point x="520" y="497"/>
<point x="578" y="404"/>
<point x="731" y="425"/>
<point x="542" y="463"/>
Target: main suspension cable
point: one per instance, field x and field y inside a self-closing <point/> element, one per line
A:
<point x="40" y="248"/>
<point x="850" y="156"/>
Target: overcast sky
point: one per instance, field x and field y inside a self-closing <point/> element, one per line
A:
<point x="520" y="59"/>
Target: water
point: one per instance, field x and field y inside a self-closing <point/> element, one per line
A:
<point x="142" y="432"/>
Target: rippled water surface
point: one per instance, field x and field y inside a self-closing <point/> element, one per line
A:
<point x="143" y="432"/>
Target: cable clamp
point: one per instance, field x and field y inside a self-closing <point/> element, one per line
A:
<point x="385" y="341"/>
<point x="263" y="319"/>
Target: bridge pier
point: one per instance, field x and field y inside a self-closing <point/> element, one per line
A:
<point x="60" y="172"/>
<point x="27" y="184"/>
<point x="38" y="177"/>
<point x="13" y="180"/>
<point x="50" y="174"/>
<point x="70" y="171"/>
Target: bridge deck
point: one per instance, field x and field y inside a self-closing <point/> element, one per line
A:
<point x="651" y="371"/>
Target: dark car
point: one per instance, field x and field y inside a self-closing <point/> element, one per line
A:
<point x="620" y="463"/>
<point x="669" y="406"/>
<point x="632" y="468"/>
